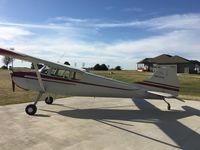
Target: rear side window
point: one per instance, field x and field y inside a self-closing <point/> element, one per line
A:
<point x="60" y="73"/>
<point x="66" y="74"/>
<point x="77" y="76"/>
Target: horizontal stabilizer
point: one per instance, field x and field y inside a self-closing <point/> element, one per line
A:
<point x="165" y="95"/>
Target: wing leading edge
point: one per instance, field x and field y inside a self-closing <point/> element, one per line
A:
<point x="35" y="60"/>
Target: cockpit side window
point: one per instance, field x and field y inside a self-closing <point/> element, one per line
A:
<point x="60" y="73"/>
<point x="53" y="72"/>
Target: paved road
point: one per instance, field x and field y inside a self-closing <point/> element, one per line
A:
<point x="101" y="123"/>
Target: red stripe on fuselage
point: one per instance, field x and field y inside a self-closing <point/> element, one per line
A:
<point x="67" y="81"/>
<point x="157" y="85"/>
<point x="161" y="84"/>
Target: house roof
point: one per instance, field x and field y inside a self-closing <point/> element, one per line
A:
<point x="168" y="59"/>
<point x="165" y="59"/>
<point x="146" y="60"/>
<point x="195" y="62"/>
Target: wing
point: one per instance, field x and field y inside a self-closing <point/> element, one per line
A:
<point x="35" y="60"/>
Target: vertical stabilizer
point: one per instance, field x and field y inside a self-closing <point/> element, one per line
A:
<point x="165" y="75"/>
<point x="163" y="80"/>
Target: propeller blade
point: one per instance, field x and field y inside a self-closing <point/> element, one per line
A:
<point x="13" y="86"/>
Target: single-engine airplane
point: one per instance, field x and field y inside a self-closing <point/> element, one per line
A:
<point x="60" y="79"/>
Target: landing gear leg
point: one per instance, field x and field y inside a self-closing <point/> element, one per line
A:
<point x="168" y="104"/>
<point x="32" y="108"/>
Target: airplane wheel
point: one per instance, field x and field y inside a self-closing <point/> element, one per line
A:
<point x="31" y="109"/>
<point x="49" y="100"/>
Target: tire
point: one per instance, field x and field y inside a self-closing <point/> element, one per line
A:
<point x="49" y="100"/>
<point x="31" y="109"/>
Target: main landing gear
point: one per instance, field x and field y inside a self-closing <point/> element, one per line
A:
<point x="49" y="100"/>
<point x="168" y="104"/>
<point x="31" y="109"/>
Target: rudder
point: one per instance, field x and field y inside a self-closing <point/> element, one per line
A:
<point x="164" y="80"/>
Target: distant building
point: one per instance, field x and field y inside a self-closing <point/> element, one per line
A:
<point x="181" y="64"/>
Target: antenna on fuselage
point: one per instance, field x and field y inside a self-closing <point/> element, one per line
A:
<point x="61" y="57"/>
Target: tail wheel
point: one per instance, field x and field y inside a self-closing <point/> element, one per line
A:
<point x="168" y="107"/>
<point x="31" y="109"/>
<point x="49" y="100"/>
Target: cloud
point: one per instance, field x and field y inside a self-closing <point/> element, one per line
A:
<point x="125" y="53"/>
<point x="10" y="33"/>
<point x="177" y="21"/>
<point x="180" y="37"/>
<point x="39" y="26"/>
<point x="177" y="42"/>
<point x="71" y="28"/>
<point x="68" y="19"/>
<point x="186" y="21"/>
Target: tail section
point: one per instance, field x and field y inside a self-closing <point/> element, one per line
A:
<point x="163" y="80"/>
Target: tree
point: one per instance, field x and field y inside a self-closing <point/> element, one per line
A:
<point x="104" y="67"/>
<point x="7" y="60"/>
<point x="100" y="67"/>
<point x="97" y="67"/>
<point x="118" y="68"/>
<point x="4" y="67"/>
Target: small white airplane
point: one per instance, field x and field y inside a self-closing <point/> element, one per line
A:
<point x="60" y="79"/>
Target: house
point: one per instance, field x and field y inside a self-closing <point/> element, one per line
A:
<point x="181" y="64"/>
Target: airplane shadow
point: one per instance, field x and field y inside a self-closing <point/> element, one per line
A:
<point x="167" y="121"/>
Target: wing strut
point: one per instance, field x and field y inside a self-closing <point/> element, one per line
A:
<point x="39" y="77"/>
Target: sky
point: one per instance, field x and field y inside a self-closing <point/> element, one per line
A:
<point x="113" y="32"/>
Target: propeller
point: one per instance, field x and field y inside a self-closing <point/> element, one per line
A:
<point x="13" y="86"/>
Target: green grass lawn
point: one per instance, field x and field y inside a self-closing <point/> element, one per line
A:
<point x="190" y="85"/>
